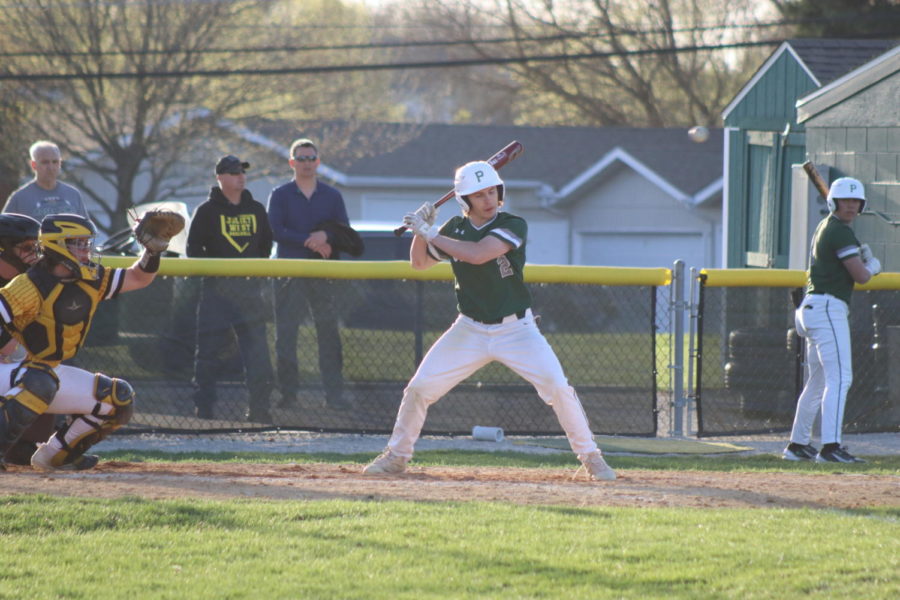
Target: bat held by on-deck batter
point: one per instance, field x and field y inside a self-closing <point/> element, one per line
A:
<point x="816" y="178"/>
<point x="819" y="183"/>
<point x="509" y="152"/>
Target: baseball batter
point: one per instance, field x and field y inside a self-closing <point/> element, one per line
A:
<point x="487" y="252"/>
<point x="837" y="260"/>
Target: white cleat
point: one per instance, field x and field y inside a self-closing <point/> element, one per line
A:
<point x="386" y="462"/>
<point x="596" y="467"/>
<point x="42" y="460"/>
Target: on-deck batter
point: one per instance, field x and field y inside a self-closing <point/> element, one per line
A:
<point x="836" y="261"/>
<point x="487" y="252"/>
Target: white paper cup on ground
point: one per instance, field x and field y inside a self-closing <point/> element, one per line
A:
<point x="487" y="434"/>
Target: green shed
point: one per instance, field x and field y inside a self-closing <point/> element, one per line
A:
<point x="763" y="138"/>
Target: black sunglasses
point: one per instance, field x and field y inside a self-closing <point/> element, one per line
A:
<point x="306" y="158"/>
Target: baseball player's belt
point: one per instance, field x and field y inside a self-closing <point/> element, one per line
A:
<point x="519" y="315"/>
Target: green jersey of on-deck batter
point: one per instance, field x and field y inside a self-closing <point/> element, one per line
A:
<point x="832" y="243"/>
<point x="495" y="289"/>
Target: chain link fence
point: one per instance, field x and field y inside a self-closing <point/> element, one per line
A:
<point x="751" y="362"/>
<point x="607" y="338"/>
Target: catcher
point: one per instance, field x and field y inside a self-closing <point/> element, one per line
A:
<point x="49" y="310"/>
<point x="18" y="251"/>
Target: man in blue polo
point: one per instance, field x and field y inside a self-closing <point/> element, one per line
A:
<point x="298" y="211"/>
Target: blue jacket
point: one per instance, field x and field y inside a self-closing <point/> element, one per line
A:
<point x="293" y="217"/>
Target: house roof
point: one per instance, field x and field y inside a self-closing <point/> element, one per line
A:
<point x="823" y="60"/>
<point x="883" y="66"/>
<point x="554" y="156"/>
<point x="828" y="59"/>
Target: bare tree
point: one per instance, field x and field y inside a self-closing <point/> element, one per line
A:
<point x="13" y="142"/>
<point x="145" y="128"/>
<point x="637" y="75"/>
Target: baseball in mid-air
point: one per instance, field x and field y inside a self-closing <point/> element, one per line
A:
<point x="698" y="133"/>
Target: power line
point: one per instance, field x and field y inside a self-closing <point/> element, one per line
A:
<point x="380" y="66"/>
<point x="267" y="49"/>
<point x="427" y="43"/>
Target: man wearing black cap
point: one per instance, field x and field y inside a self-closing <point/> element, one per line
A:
<point x="231" y="224"/>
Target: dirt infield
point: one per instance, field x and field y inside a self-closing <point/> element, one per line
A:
<point x="115" y="479"/>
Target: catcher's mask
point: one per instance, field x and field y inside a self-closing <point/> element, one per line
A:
<point x="69" y="240"/>
<point x="844" y="188"/>
<point x="15" y="229"/>
<point x="473" y="177"/>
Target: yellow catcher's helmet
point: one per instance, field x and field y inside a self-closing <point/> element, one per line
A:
<point x="63" y="238"/>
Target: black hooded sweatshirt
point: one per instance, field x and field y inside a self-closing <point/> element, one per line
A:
<point x="220" y="229"/>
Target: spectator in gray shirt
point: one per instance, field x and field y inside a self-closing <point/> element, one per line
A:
<point x="44" y="195"/>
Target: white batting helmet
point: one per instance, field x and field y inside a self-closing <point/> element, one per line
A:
<point x="473" y="177"/>
<point x="846" y="187"/>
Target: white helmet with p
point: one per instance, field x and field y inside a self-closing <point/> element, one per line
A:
<point x="844" y="188"/>
<point x="473" y="177"/>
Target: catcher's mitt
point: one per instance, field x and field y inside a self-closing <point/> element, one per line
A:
<point x="156" y="228"/>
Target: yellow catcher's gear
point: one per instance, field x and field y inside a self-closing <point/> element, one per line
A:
<point x="36" y="385"/>
<point x="69" y="240"/>
<point x="114" y="408"/>
<point x="51" y="318"/>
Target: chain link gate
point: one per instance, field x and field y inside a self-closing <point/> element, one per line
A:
<point x="750" y="361"/>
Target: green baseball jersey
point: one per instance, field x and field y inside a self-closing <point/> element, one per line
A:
<point x="495" y="289"/>
<point x="832" y="243"/>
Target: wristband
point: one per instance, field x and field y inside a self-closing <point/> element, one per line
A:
<point x="431" y="233"/>
<point x="149" y="262"/>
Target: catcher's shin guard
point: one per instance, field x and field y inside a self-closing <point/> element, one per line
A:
<point x="32" y="395"/>
<point x="15" y="417"/>
<point x="114" y="408"/>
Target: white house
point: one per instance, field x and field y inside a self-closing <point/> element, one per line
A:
<point x="612" y="196"/>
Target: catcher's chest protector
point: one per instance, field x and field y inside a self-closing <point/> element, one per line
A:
<point x="53" y="317"/>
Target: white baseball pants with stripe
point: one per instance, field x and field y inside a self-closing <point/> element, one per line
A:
<point x="823" y="320"/>
<point x="469" y="345"/>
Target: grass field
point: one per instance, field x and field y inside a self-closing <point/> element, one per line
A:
<point x="57" y="547"/>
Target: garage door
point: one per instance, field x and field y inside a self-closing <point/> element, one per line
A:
<point x="642" y="249"/>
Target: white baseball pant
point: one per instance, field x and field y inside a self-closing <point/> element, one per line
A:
<point x="823" y="320"/>
<point x="74" y="397"/>
<point x="469" y="345"/>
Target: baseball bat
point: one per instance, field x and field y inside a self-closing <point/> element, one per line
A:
<point x="509" y="152"/>
<point x="816" y="179"/>
<point x="822" y="188"/>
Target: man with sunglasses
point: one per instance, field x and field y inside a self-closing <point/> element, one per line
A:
<point x="298" y="212"/>
<point x="231" y="224"/>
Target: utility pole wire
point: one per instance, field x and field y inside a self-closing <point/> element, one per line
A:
<point x="379" y="66"/>
<point x="419" y="43"/>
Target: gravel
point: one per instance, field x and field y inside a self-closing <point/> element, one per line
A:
<point x="311" y="442"/>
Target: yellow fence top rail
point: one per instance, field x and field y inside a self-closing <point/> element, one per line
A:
<point x="784" y="278"/>
<point x="387" y="269"/>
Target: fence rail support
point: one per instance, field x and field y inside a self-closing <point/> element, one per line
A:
<point x="677" y="368"/>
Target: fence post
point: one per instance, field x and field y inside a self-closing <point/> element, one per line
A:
<point x="693" y="352"/>
<point x="677" y="368"/>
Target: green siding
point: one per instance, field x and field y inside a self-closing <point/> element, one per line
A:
<point x="760" y="190"/>
<point x="759" y="172"/>
<point x="737" y="152"/>
<point x="770" y="103"/>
